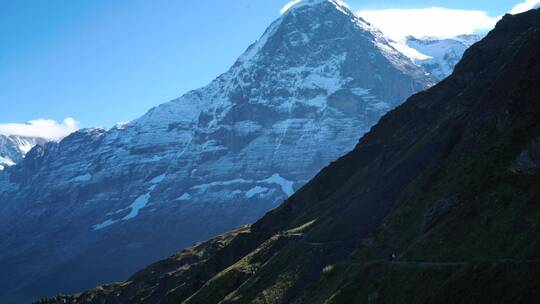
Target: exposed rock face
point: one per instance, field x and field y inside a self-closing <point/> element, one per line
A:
<point x="13" y="148"/>
<point x="442" y="155"/>
<point x="102" y="203"/>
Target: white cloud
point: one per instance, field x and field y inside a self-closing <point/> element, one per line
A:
<point x="431" y="21"/>
<point x="44" y="128"/>
<point x="525" y="6"/>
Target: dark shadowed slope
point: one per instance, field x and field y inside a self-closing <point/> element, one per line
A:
<point x="449" y="183"/>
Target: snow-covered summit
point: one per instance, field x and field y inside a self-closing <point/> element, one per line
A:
<point x="296" y="4"/>
<point x="309" y="50"/>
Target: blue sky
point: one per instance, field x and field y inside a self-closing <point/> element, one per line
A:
<point x="107" y="61"/>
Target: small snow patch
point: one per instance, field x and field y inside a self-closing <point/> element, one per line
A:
<point x="153" y="159"/>
<point x="204" y="187"/>
<point x="137" y="205"/>
<point x="380" y="106"/>
<point x="158" y="179"/>
<point x="105" y="224"/>
<point x="140" y="203"/>
<point x="255" y="190"/>
<point x="5" y="161"/>
<point x="82" y="178"/>
<point x="286" y="185"/>
<point x="184" y="197"/>
<point x="155" y="181"/>
<point x="236" y="192"/>
<point x="360" y="91"/>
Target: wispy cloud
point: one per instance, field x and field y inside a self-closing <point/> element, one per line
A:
<point x="43" y="128"/>
<point x="525" y="6"/>
<point x="430" y="21"/>
<point x="436" y="21"/>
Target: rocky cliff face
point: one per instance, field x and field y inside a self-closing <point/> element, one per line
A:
<point x="102" y="203"/>
<point x="438" y="203"/>
<point x="13" y="148"/>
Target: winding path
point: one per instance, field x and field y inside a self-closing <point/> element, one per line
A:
<point x="398" y="261"/>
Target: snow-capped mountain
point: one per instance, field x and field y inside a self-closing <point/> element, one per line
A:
<point x="439" y="56"/>
<point x="102" y="203"/>
<point x="13" y="148"/>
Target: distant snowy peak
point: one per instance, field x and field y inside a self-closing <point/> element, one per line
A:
<point x="437" y="47"/>
<point x="14" y="148"/>
<point x="439" y="56"/>
<point x="470" y="39"/>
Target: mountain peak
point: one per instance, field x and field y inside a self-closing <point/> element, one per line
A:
<point x="324" y="29"/>
<point x="305" y="17"/>
<point x="315" y="49"/>
<point x="296" y="4"/>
